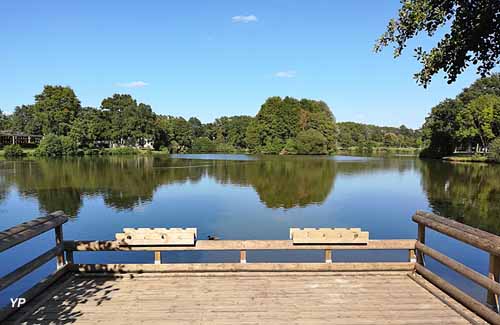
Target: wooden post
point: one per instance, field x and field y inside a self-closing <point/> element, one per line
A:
<point x="411" y="256"/>
<point x="243" y="256"/>
<point x="69" y="257"/>
<point x="157" y="257"/>
<point x="421" y="238"/>
<point x="328" y="256"/>
<point x="494" y="274"/>
<point x="59" y="243"/>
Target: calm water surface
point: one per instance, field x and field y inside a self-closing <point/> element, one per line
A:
<point x="246" y="197"/>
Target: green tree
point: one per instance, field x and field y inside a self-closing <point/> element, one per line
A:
<point x="494" y="150"/>
<point x="50" y="146"/>
<point x="482" y="86"/>
<point x="196" y="126"/>
<point x="175" y="133"/>
<point x="13" y="151"/>
<point x="130" y="123"/>
<point x="480" y="118"/>
<point x="90" y="127"/>
<point x="472" y="37"/>
<point x="4" y="121"/>
<point x="311" y="142"/>
<point x="55" y="108"/>
<point x="440" y="128"/>
<point x="391" y="140"/>
<point x="281" y="119"/>
<point x="203" y="144"/>
<point x="26" y="119"/>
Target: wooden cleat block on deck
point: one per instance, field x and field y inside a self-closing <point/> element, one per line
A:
<point x="328" y="236"/>
<point x="157" y="236"/>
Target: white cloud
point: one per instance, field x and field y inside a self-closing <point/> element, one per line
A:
<point x="244" y="19"/>
<point x="286" y="74"/>
<point x="133" y="84"/>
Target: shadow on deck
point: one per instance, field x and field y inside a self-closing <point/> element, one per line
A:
<point x="245" y="297"/>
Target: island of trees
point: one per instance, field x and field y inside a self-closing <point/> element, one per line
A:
<point x="468" y="123"/>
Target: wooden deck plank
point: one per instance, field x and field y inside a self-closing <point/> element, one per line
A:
<point x="246" y="298"/>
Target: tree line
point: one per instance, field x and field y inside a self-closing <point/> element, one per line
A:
<point x="282" y="126"/>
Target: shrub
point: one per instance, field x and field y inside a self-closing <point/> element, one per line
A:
<point x="13" y="150"/>
<point x="203" y="144"/>
<point x="92" y="152"/>
<point x="311" y="142"/>
<point x="225" y="148"/>
<point x="272" y="146"/>
<point x="50" y="146"/>
<point x="69" y="146"/>
<point x="494" y="150"/>
<point x="290" y="148"/>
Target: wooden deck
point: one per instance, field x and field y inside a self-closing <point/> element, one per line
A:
<point x="333" y="292"/>
<point x="244" y="298"/>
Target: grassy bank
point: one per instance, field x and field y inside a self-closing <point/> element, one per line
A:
<point x="27" y="152"/>
<point x="101" y="152"/>
<point x="477" y="158"/>
<point x="380" y="150"/>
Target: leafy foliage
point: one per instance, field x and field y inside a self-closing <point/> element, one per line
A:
<point x="471" y="119"/>
<point x="123" y="122"/>
<point x="363" y="136"/>
<point x="494" y="152"/>
<point x="472" y="37"/>
<point x="50" y="146"/>
<point x="55" y="109"/>
<point x="4" y="121"/>
<point x="282" y="119"/>
<point x="311" y="142"/>
<point x="203" y="144"/>
<point x="13" y="150"/>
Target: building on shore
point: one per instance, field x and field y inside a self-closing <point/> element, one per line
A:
<point x="23" y="139"/>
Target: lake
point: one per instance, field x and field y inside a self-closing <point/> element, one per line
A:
<point x="246" y="197"/>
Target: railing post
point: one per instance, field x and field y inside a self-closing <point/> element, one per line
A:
<point x="243" y="256"/>
<point x="157" y="257"/>
<point x="59" y="243"/>
<point x="421" y="238"/>
<point x="69" y="257"/>
<point x="494" y="273"/>
<point x="411" y="256"/>
<point x="328" y="256"/>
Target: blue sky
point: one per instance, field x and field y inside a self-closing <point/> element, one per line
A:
<point x="214" y="58"/>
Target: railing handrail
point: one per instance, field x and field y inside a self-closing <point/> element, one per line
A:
<point x="234" y="245"/>
<point x="475" y="237"/>
<point x="27" y="230"/>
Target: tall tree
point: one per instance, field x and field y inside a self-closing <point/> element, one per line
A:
<point x="281" y="119"/>
<point x="130" y="122"/>
<point x="56" y="107"/>
<point x="90" y="126"/>
<point x="197" y="127"/>
<point x="440" y="128"/>
<point x="4" y="121"/>
<point x="26" y="119"/>
<point x="473" y="36"/>
<point x="479" y="119"/>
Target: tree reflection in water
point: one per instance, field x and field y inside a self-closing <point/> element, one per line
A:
<point x="469" y="193"/>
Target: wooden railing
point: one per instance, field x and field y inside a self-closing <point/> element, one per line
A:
<point x="480" y="239"/>
<point x="417" y="250"/>
<point x="23" y="232"/>
<point x="243" y="246"/>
